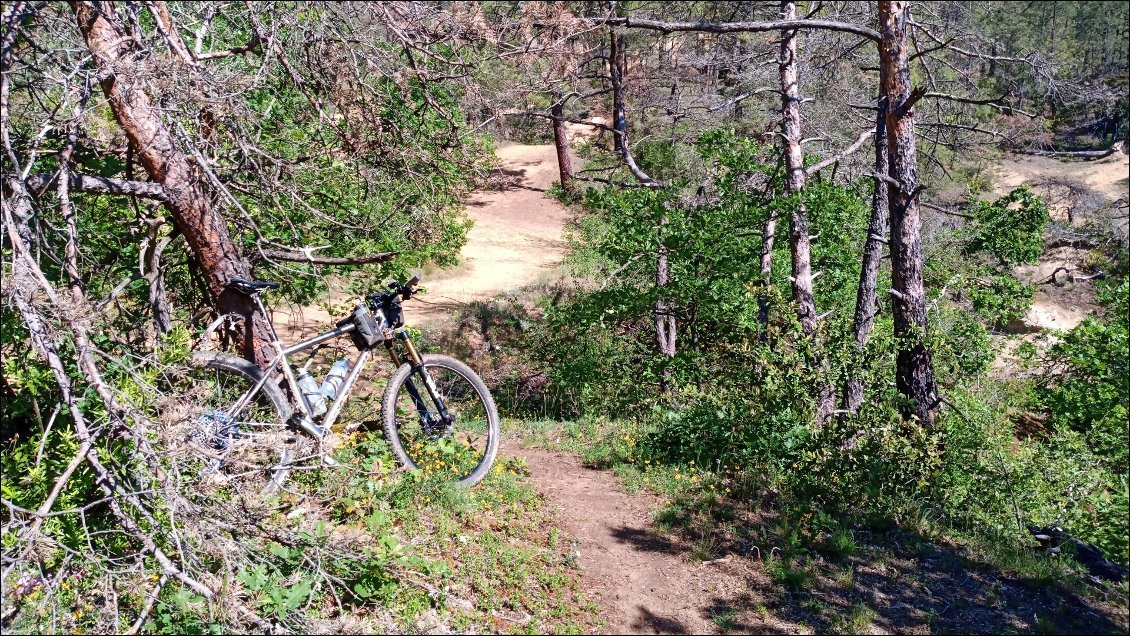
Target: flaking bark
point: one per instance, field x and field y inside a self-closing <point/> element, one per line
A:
<point x="867" y="295"/>
<point x="203" y="226"/>
<point x="915" y="372"/>
<point x="561" y="145"/>
<point x="799" y="242"/>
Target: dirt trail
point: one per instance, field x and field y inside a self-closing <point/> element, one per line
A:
<point x="516" y="238"/>
<point x="1057" y="308"/>
<point x="646" y="584"/>
<point x="1107" y="176"/>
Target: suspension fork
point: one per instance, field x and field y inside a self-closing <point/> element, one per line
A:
<point x="421" y="407"/>
<point x="418" y="367"/>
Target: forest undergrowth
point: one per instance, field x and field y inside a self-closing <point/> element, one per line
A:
<point x="723" y="429"/>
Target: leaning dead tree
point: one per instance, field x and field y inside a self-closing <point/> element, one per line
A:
<point x="186" y="193"/>
<point x="1119" y="146"/>
<point x="152" y="152"/>
<point x="198" y="125"/>
<point x="867" y="292"/>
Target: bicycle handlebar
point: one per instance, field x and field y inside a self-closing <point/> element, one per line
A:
<point x="396" y="292"/>
<point x="407" y="289"/>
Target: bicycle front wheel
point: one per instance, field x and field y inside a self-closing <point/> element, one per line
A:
<point x="456" y="435"/>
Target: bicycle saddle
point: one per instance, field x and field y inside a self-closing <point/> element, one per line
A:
<point x="250" y="287"/>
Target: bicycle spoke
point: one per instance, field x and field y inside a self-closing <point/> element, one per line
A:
<point x="455" y="446"/>
<point x="237" y="439"/>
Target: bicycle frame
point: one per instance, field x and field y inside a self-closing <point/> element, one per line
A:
<point x="281" y="359"/>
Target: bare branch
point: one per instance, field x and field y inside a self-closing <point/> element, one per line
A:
<point x="304" y="256"/>
<point x="168" y="30"/>
<point x="253" y="44"/>
<point x="97" y="185"/>
<point x="938" y="208"/>
<point x="995" y="102"/>
<point x="738" y="27"/>
<point x="1076" y="154"/>
<point x="855" y="146"/>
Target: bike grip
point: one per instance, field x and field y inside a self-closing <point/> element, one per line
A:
<point x="412" y="282"/>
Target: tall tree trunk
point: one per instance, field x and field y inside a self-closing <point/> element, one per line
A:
<point x="203" y="227"/>
<point x="915" y="374"/>
<point x="664" y="319"/>
<point x="799" y="242"/>
<point x="794" y="171"/>
<point x="867" y="296"/>
<point x="561" y="144"/>
<point x="616" y="73"/>
<point x="768" y="234"/>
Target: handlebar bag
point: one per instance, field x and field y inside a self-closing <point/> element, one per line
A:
<point x="368" y="332"/>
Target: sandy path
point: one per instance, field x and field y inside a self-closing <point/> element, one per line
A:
<point x="1107" y="176"/>
<point x="1054" y="307"/>
<point x="516" y="238"/>
<point x="646" y="583"/>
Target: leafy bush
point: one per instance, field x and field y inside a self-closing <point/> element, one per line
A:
<point x="1001" y="299"/>
<point x="1085" y="389"/>
<point x="1011" y="228"/>
<point x="962" y="346"/>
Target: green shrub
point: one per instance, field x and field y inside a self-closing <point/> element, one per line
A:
<point x="1001" y="299"/>
<point x="742" y="393"/>
<point x="1011" y="228"/>
<point x="962" y="347"/>
<point x="1085" y="388"/>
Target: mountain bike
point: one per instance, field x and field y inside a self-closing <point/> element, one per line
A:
<point x="255" y="426"/>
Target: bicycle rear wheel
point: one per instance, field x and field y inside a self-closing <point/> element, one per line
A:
<point x="236" y="438"/>
<point x="465" y="444"/>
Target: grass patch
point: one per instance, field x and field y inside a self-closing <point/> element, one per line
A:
<point x="788" y="572"/>
<point x="502" y="558"/>
<point x="393" y="551"/>
<point x="725" y="619"/>
<point x="858" y="621"/>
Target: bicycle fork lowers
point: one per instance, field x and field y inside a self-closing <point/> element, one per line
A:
<point x="435" y="424"/>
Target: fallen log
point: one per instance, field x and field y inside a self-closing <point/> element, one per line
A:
<point x="1053" y="539"/>
<point x="1089" y="155"/>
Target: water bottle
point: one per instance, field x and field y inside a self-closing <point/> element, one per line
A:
<point x="335" y="379"/>
<point x="312" y="394"/>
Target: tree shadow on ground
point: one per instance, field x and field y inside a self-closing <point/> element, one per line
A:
<point x="503" y="180"/>
<point x="648" y="620"/>
<point x="646" y="541"/>
<point x="900" y="582"/>
<point x="896" y="581"/>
